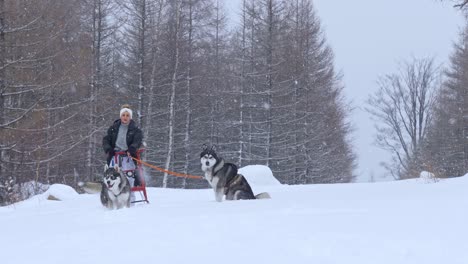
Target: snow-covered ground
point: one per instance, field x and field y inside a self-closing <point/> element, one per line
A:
<point x="414" y="222"/>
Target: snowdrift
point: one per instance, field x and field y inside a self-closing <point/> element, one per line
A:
<point x="60" y="192"/>
<point x="259" y="176"/>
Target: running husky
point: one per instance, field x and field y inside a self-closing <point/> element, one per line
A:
<point x="224" y="179"/>
<point x="115" y="192"/>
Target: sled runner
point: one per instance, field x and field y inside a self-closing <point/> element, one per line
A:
<point x="131" y="171"/>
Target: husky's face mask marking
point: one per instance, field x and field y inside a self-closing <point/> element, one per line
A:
<point x="208" y="157"/>
<point x="111" y="178"/>
<point x="208" y="161"/>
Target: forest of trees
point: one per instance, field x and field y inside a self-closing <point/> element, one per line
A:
<point x="264" y="91"/>
<point x="422" y="112"/>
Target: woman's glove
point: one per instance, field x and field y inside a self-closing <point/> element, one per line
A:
<point x="132" y="150"/>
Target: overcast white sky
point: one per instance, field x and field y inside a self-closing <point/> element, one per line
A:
<point x="369" y="39"/>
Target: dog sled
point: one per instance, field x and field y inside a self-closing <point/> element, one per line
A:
<point x="132" y="171"/>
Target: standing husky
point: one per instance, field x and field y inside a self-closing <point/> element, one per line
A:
<point x="224" y="179"/>
<point x="115" y="192"/>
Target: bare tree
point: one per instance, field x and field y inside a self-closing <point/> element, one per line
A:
<point x="458" y="3"/>
<point x="188" y="80"/>
<point x="98" y="14"/>
<point x="156" y="22"/>
<point x="3" y="141"/>
<point x="175" y="74"/>
<point x="462" y="4"/>
<point x="403" y="106"/>
<point x="140" y="14"/>
<point x="264" y="23"/>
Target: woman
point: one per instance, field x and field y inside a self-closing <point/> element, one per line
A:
<point x="123" y="136"/>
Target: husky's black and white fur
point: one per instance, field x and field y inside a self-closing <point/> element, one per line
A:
<point x="115" y="192"/>
<point x="224" y="179"/>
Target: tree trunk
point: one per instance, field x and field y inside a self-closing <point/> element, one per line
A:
<point x="189" y="80"/>
<point x="95" y="80"/>
<point x="173" y="94"/>
<point x="242" y="80"/>
<point x="270" y="80"/>
<point x="142" y="55"/>
<point x="2" y="85"/>
<point x="149" y="110"/>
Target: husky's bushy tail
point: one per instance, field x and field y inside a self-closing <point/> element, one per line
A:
<point x="90" y="187"/>
<point x="263" y="195"/>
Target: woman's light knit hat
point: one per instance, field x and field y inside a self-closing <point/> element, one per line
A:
<point x="126" y="108"/>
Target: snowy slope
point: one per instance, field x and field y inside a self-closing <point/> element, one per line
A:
<point x="396" y="222"/>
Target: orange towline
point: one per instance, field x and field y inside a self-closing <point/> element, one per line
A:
<point x="168" y="171"/>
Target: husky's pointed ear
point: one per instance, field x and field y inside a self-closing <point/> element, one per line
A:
<point x="106" y="167"/>
<point x="205" y="147"/>
<point x="116" y="167"/>
<point x="213" y="148"/>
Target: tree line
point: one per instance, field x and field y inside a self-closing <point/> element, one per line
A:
<point x="264" y="91"/>
<point x="422" y="114"/>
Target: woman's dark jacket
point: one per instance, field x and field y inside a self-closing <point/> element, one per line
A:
<point x="134" y="139"/>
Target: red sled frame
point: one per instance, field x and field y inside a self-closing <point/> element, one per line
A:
<point x="142" y="188"/>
